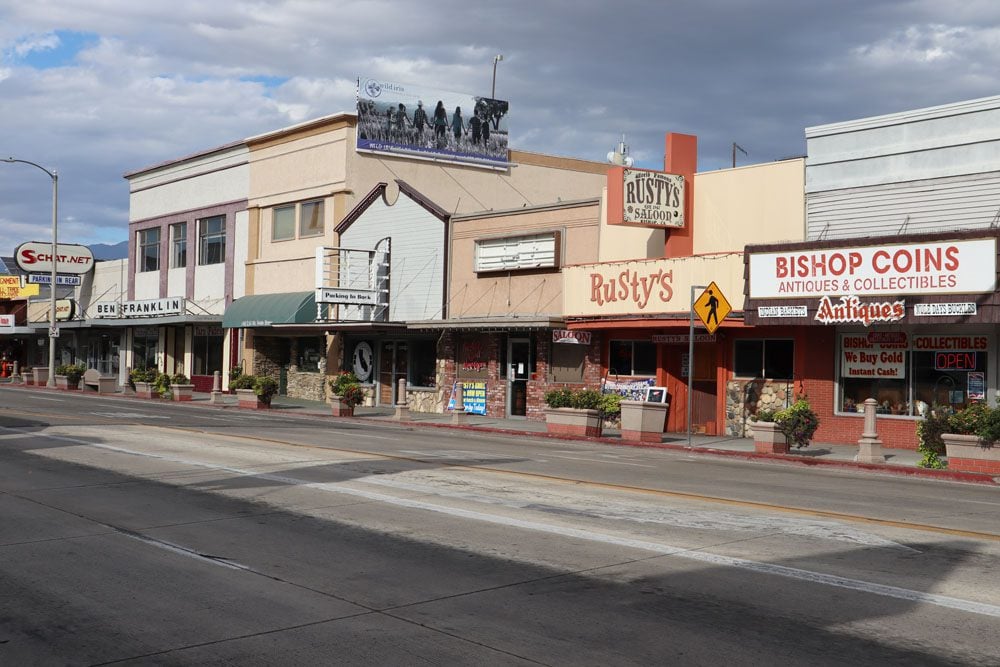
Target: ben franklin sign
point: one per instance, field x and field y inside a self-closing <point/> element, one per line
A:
<point x="645" y="198"/>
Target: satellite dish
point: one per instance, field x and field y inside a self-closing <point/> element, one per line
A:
<point x="620" y="155"/>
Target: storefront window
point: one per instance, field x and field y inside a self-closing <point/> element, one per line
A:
<point x="910" y="374"/>
<point x="310" y="352"/>
<point x="423" y="363"/>
<point x="207" y="343"/>
<point x="144" y="341"/>
<point x="764" y="358"/>
<point x="632" y="357"/>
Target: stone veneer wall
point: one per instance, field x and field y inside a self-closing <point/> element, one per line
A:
<point x="746" y="397"/>
<point x="266" y="351"/>
<point x="310" y="385"/>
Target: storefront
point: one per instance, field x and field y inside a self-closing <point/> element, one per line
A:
<point x="911" y="323"/>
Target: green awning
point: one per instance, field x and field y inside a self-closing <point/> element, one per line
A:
<point x="264" y="310"/>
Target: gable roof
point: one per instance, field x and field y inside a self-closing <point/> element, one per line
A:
<point x="379" y="191"/>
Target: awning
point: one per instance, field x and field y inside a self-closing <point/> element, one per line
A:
<point x="265" y="310"/>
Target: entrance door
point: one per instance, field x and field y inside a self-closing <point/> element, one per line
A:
<point x="704" y="395"/>
<point x="518" y="372"/>
<point x="392" y="366"/>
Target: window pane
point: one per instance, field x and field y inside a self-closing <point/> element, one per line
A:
<point x="213" y="240"/>
<point x="149" y="250"/>
<point x="941" y="378"/>
<point x="179" y="252"/>
<point x="748" y="358"/>
<point x="644" y="358"/>
<point x="311" y="220"/>
<point x="779" y="359"/>
<point x="567" y="362"/>
<point x="620" y="358"/>
<point x="283" y="223"/>
<point x="423" y="363"/>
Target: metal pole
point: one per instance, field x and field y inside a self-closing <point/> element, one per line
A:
<point x="53" y="324"/>
<point x="691" y="358"/>
<point x="493" y="91"/>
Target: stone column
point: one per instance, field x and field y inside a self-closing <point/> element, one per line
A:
<point x="869" y="446"/>
<point x="216" y="388"/>
<point x="402" y="410"/>
<point x="458" y="415"/>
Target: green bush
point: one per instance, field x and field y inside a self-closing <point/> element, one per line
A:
<point x="73" y="372"/>
<point x="346" y="386"/>
<point x="611" y="405"/>
<point x="143" y="375"/>
<point x="977" y="419"/>
<point x="242" y="381"/>
<point x="763" y="416"/>
<point x="179" y="378"/>
<point x="559" y="398"/>
<point x="798" y="422"/>
<point x="587" y="399"/>
<point x="265" y="388"/>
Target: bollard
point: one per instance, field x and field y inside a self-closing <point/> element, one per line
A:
<point x="869" y="446"/>
<point x="458" y="415"/>
<point x="402" y="411"/>
<point x="216" y="388"/>
<point x="17" y="370"/>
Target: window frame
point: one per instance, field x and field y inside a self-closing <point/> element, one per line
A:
<point x="178" y="246"/>
<point x="207" y="240"/>
<point x="274" y="223"/>
<point x="632" y="370"/>
<point x="300" y="209"/>
<point x="762" y="371"/>
<point x="143" y="261"/>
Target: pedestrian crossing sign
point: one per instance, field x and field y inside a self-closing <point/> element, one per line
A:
<point x="712" y="307"/>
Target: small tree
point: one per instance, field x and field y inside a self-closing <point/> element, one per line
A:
<point x="265" y="388"/>
<point x="798" y="422"/>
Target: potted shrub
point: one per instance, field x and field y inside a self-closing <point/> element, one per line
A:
<point x="265" y="388"/>
<point x="181" y="387"/>
<point x="798" y="422"/>
<point x="144" y="380"/>
<point x="346" y="394"/>
<point x="572" y="412"/>
<point x="161" y="386"/>
<point x="68" y="376"/>
<point x="643" y="420"/>
<point x="972" y="432"/>
<point x="768" y="438"/>
<point x="243" y="384"/>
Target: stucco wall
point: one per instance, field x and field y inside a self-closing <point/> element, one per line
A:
<point x="190" y="184"/>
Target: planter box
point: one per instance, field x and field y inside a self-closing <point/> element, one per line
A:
<point x="643" y="420"/>
<point x="570" y="421"/>
<point x="768" y="438"/>
<point x="250" y="400"/>
<point x="339" y="408"/>
<point x="182" y="392"/>
<point x="62" y="382"/>
<point x="966" y="454"/>
<point x="28" y="378"/>
<point x="41" y="375"/>
<point x="145" y="390"/>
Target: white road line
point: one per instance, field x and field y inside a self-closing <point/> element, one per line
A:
<point x="620" y="463"/>
<point x="798" y="574"/>
<point x="46" y="398"/>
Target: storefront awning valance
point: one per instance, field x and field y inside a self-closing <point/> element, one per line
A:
<point x="265" y="310"/>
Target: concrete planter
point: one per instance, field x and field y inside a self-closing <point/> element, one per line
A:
<point x="571" y="421"/>
<point x="340" y="408"/>
<point x="250" y="400"/>
<point x="182" y="392"/>
<point x="643" y="420"/>
<point x="62" y="382"/>
<point x="145" y="390"/>
<point x="41" y="375"/>
<point x="28" y="378"/>
<point x="966" y="454"/>
<point x="768" y="438"/>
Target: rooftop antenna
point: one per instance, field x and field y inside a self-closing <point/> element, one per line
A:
<point x="620" y="156"/>
<point x="737" y="147"/>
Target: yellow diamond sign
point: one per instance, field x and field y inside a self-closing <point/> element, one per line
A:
<point x="712" y="307"/>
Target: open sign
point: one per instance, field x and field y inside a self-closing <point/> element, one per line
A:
<point x="954" y="361"/>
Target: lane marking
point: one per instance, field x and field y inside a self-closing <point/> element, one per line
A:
<point x="858" y="585"/>
<point x="47" y="398"/>
<point x="603" y="460"/>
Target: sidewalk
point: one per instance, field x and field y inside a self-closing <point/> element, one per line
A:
<point x="898" y="461"/>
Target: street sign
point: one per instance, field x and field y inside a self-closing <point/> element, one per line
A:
<point x="53" y="332"/>
<point x="45" y="279"/>
<point x="712" y="307"/>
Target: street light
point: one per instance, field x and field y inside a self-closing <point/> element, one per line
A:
<point x="497" y="58"/>
<point x="53" y="325"/>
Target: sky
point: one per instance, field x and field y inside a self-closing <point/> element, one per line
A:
<point x="94" y="89"/>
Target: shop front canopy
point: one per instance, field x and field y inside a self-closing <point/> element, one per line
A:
<point x="265" y="310"/>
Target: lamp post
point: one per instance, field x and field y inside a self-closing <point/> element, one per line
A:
<point x="53" y="325"/>
<point x="493" y="91"/>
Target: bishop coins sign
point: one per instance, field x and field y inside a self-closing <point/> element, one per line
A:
<point x="712" y="307"/>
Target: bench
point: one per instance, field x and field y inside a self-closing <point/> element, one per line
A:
<point x="94" y="381"/>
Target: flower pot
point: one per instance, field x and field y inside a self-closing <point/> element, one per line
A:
<point x="62" y="382"/>
<point x="249" y="399"/>
<point x="145" y="390"/>
<point x="28" y="378"/>
<point x="41" y="375"/>
<point x="966" y="453"/>
<point x="182" y="392"/>
<point x="340" y="408"/>
<point x="768" y="438"/>
<point x="571" y="421"/>
<point x="643" y="420"/>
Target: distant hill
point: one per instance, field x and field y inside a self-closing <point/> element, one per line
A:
<point x="105" y="251"/>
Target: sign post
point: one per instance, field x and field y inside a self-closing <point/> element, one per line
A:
<point x="712" y="308"/>
<point x="691" y="358"/>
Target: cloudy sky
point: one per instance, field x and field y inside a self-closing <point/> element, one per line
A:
<point x="97" y="88"/>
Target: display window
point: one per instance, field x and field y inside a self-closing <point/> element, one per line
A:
<point x="632" y="357"/>
<point x="910" y="374"/>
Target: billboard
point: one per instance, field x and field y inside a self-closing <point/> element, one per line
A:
<point x="402" y="119"/>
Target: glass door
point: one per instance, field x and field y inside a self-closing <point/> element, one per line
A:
<point x="518" y="372"/>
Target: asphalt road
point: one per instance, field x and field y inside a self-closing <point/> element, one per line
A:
<point x="151" y="533"/>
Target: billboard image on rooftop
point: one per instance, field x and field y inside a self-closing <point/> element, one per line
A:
<point x="401" y="119"/>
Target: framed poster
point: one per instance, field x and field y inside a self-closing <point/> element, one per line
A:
<point x="656" y="394"/>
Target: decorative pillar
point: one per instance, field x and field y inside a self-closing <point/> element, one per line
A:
<point x="869" y="446"/>
<point x="216" y="388"/>
<point x="402" y="410"/>
<point x="459" y="415"/>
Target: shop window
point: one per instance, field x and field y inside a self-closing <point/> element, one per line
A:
<point x="310" y="352"/>
<point x="632" y="357"/>
<point x="144" y="342"/>
<point x="764" y="358"/>
<point x="423" y="363"/>
<point x="283" y="223"/>
<point x="949" y="378"/>
<point x="212" y="240"/>
<point x="149" y="250"/>
<point x="178" y="241"/>
<point x="567" y="362"/>
<point x="207" y="342"/>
